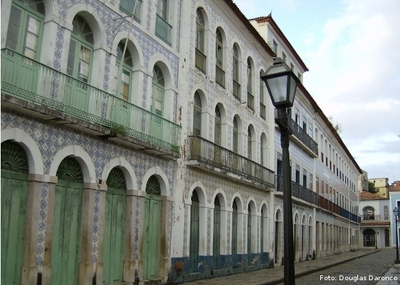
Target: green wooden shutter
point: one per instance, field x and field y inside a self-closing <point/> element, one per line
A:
<point x="114" y="227"/>
<point x="66" y="239"/>
<point x="14" y="195"/>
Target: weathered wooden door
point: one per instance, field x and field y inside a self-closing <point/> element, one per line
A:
<point x="152" y="230"/>
<point x="217" y="233"/>
<point x="65" y="248"/>
<point x="194" y="233"/>
<point x="114" y="227"/>
<point x="14" y="193"/>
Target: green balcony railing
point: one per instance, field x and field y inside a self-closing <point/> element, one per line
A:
<point x="212" y="155"/>
<point x="37" y="83"/>
<point x="163" y="29"/>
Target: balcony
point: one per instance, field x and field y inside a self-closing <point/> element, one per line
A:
<point x="303" y="139"/>
<point x="212" y="157"/>
<point x="299" y="191"/>
<point x="309" y="196"/>
<point x="40" y="91"/>
<point x="163" y="30"/>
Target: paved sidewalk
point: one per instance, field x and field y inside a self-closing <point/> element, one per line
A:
<point x="392" y="276"/>
<point x="272" y="276"/>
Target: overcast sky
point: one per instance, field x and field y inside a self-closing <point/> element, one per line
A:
<point x="352" y="51"/>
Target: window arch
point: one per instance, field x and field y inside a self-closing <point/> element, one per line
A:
<point x="250" y="94"/>
<point x="235" y="72"/>
<point x="219" y="56"/>
<point x="197" y="113"/>
<point x="368" y="213"/>
<point x="200" y="57"/>
<point x="25" y="27"/>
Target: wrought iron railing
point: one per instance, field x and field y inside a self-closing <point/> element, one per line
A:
<point x="163" y="29"/>
<point x="213" y="155"/>
<point x="303" y="136"/>
<point x="37" y="83"/>
<point x="371" y="217"/>
<point x="310" y="196"/>
<point x="298" y="191"/>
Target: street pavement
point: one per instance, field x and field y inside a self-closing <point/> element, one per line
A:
<point x="389" y="273"/>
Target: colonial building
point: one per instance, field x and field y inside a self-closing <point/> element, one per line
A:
<point x="139" y="146"/>
<point x="375" y="217"/>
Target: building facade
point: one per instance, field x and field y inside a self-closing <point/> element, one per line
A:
<point x="375" y="220"/>
<point x="139" y="146"/>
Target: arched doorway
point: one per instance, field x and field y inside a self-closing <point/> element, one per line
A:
<point x="66" y="238"/>
<point x="14" y="195"/>
<point x="114" y="227"/>
<point x="194" y="232"/>
<point x="152" y="229"/>
<point x="369" y="237"/>
<point x="217" y="233"/>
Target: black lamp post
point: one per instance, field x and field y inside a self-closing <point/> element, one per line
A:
<point x="395" y="213"/>
<point x="281" y="84"/>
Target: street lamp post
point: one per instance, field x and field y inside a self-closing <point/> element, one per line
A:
<point x="281" y="84"/>
<point x="395" y="213"/>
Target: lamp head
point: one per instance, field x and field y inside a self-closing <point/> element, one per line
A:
<point x="281" y="84"/>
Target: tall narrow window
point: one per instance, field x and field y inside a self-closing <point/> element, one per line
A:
<point x="80" y="50"/>
<point x="250" y="96"/>
<point x="235" y="73"/>
<point x="217" y="126"/>
<point x="235" y="140"/>
<point x="263" y="108"/>
<point x="124" y="78"/>
<point x="219" y="56"/>
<point x="249" y="143"/>
<point x="25" y="27"/>
<point x="163" y="28"/>
<point x="262" y="150"/>
<point x="158" y="92"/>
<point x="197" y="115"/>
<point x="200" y="60"/>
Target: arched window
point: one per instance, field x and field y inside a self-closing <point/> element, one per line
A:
<point x="235" y="138"/>
<point x="217" y="233"/>
<point x="200" y="57"/>
<point x="197" y="115"/>
<point x="25" y="27"/>
<point x="124" y="76"/>
<point x="249" y="143"/>
<point x="219" y="56"/>
<point x="194" y="232"/>
<point x="368" y="213"/>
<point x="235" y="73"/>
<point x="80" y="50"/>
<point x="157" y="100"/>
<point x="386" y="212"/>
<point x="250" y="95"/>
<point x="217" y="126"/>
<point x="263" y="108"/>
